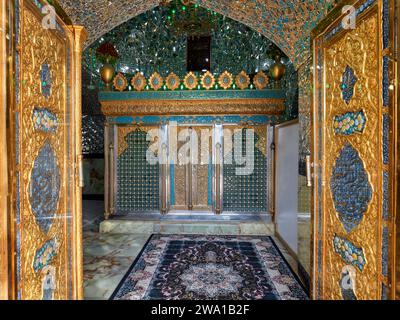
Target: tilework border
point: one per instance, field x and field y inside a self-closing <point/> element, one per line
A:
<point x="233" y="119"/>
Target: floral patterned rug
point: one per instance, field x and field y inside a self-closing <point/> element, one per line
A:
<point x="193" y="267"/>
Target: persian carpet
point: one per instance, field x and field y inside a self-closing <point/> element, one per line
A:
<point x="195" y="267"/>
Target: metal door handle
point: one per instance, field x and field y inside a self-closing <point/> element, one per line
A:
<point x="81" y="182"/>
<point x="308" y="169"/>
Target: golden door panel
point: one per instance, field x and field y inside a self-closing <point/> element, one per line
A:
<point x="353" y="57"/>
<point x="202" y="169"/>
<point x="180" y="177"/>
<point x="192" y="181"/>
<point x="44" y="215"/>
<point x="352" y="174"/>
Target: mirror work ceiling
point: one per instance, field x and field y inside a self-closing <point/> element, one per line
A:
<point x="287" y="23"/>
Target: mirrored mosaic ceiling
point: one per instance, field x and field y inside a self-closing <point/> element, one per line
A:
<point x="285" y="22"/>
<point x="145" y="44"/>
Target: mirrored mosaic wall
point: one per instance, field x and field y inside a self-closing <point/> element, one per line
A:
<point x="304" y="107"/>
<point x="146" y="45"/>
<point x="92" y="134"/>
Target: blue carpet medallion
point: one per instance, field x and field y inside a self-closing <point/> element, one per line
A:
<point x="195" y="267"/>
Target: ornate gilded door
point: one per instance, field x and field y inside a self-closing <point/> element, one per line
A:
<point x="192" y="173"/>
<point x="47" y="146"/>
<point x="353" y="152"/>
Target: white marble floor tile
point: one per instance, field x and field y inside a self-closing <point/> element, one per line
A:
<point x="107" y="258"/>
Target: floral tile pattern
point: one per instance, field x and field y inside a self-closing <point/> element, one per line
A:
<point x="349" y="123"/>
<point x="349" y="252"/>
<point x="45" y="255"/>
<point x="195" y="267"/>
<point x="44" y="120"/>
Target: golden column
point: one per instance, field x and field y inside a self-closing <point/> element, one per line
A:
<point x="80" y="35"/>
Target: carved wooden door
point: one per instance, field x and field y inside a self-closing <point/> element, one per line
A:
<point x="47" y="124"/>
<point x="352" y="152"/>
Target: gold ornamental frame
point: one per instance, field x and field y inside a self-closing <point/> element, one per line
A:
<point x="120" y="83"/>
<point x="156" y="81"/>
<point x="143" y="81"/>
<point x="225" y="76"/>
<point x="317" y="234"/>
<point x="261" y="80"/>
<point x="172" y="82"/>
<point x="186" y="81"/>
<point x="211" y="78"/>
<point x="242" y="80"/>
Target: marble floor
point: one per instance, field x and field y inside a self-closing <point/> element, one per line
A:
<point x="304" y="244"/>
<point x="108" y="256"/>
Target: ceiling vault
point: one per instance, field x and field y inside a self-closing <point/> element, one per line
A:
<point x="288" y="23"/>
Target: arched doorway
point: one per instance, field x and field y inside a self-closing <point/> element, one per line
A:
<point x="292" y="37"/>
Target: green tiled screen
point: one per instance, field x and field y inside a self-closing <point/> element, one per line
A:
<point x="246" y="193"/>
<point x="137" y="180"/>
